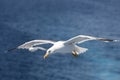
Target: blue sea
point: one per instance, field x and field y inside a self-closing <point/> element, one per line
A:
<point x="25" y="20"/>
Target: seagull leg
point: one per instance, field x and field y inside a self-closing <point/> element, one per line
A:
<point x="74" y="53"/>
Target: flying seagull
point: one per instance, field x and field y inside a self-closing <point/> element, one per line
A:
<point x="68" y="46"/>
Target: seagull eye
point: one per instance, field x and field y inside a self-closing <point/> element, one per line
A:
<point x="49" y="51"/>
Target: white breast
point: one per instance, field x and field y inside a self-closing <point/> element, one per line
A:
<point x="61" y="48"/>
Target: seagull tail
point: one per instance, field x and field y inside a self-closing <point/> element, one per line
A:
<point x="80" y="50"/>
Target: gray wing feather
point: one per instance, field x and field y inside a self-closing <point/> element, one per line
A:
<point x="35" y="43"/>
<point x="83" y="38"/>
<point x="32" y="45"/>
<point x="79" y="39"/>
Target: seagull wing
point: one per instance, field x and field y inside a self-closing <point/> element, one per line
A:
<point x="83" y="38"/>
<point x="31" y="45"/>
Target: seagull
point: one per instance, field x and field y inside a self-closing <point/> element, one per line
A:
<point x="68" y="46"/>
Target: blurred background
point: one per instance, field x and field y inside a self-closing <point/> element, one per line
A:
<point x="25" y="20"/>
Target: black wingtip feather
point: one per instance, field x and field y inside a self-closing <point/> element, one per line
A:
<point x="104" y="39"/>
<point x="9" y="50"/>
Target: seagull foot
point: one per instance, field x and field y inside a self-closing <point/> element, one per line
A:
<point x="74" y="53"/>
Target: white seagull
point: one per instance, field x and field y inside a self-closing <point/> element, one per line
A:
<point x="68" y="46"/>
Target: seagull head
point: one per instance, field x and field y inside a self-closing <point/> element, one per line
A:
<point x="49" y="51"/>
<point x="54" y="49"/>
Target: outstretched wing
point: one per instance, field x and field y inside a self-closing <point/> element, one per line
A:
<point x="32" y="45"/>
<point x="83" y="38"/>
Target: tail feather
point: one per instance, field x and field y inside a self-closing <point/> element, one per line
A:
<point x="80" y="50"/>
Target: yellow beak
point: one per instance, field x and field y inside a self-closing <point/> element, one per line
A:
<point x="46" y="55"/>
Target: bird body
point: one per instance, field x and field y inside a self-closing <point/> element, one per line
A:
<point x="68" y="46"/>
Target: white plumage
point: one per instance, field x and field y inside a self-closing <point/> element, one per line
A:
<point x="68" y="46"/>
